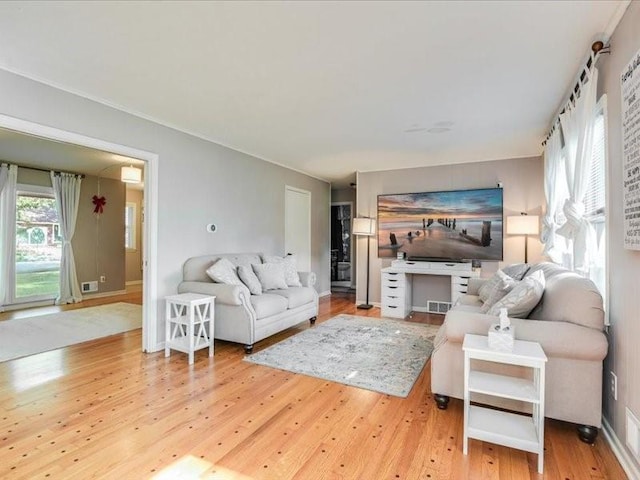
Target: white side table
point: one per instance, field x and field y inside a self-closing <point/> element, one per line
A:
<point x="189" y="321"/>
<point x="516" y="431"/>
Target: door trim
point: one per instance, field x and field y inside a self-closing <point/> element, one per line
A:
<point x="150" y="230"/>
<point x="304" y="192"/>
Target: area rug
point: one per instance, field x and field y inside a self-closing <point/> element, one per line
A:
<point x="27" y="336"/>
<point x="377" y="354"/>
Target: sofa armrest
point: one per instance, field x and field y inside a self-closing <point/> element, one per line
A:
<point x="227" y="294"/>
<point x="474" y="285"/>
<point x="307" y="279"/>
<point x="458" y="323"/>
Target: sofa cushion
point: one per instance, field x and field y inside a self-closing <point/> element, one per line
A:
<point x="223" y="271"/>
<point x="296" y="296"/>
<point x="522" y="298"/>
<point x="469" y="300"/>
<point x="499" y="289"/>
<point x="517" y="270"/>
<point x="248" y="277"/>
<point x="268" y="304"/>
<point x="289" y="262"/>
<point x="271" y="275"/>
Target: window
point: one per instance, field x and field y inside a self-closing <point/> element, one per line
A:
<point x="130" y="226"/>
<point x="596" y="201"/>
<point x="38" y="246"/>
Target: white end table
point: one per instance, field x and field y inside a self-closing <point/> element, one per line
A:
<point x="516" y="431"/>
<point x="189" y="321"/>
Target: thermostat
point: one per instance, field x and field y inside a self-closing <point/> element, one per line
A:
<point x="211" y="228"/>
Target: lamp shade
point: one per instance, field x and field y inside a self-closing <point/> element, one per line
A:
<point x="523" y="225"/>
<point x="131" y="175"/>
<point x="364" y="226"/>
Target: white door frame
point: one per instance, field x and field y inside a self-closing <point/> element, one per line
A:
<point x="150" y="286"/>
<point x="304" y="192"/>
<point x="351" y="246"/>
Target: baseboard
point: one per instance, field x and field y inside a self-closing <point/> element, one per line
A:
<point x="325" y="293"/>
<point x="626" y="461"/>
<point x="133" y="282"/>
<point x="157" y="347"/>
<point x="89" y="296"/>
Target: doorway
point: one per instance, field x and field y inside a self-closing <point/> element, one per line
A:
<point x="341" y="245"/>
<point x="297" y="226"/>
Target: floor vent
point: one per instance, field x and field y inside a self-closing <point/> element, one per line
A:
<point x="438" y="307"/>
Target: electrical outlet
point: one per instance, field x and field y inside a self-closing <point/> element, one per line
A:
<point x="103" y="278"/>
<point x="613" y="386"/>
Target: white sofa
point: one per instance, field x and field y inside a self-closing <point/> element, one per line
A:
<point x="568" y="322"/>
<point x="244" y="318"/>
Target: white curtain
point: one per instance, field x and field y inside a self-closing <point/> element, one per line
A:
<point x="577" y="128"/>
<point x="66" y="188"/>
<point x="555" y="193"/>
<point x="8" y="183"/>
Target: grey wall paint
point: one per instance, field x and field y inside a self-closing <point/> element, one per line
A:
<point x="523" y="192"/>
<point x="199" y="182"/>
<point x="624" y="265"/>
<point x="28" y="176"/>
<point x="98" y="242"/>
<point x="133" y="258"/>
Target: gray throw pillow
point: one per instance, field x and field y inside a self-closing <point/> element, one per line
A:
<point x="223" y="271"/>
<point x="499" y="290"/>
<point x="522" y="298"/>
<point x="517" y="270"/>
<point x="290" y="268"/>
<point x="488" y="286"/>
<point x="271" y="275"/>
<point x="250" y="279"/>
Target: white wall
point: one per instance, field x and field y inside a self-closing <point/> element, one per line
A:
<point x="199" y="182"/>
<point x="523" y="192"/>
<point x="624" y="266"/>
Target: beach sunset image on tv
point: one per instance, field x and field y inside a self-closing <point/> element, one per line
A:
<point x="456" y="225"/>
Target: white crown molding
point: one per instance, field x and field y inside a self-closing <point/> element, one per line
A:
<point x="615" y="20"/>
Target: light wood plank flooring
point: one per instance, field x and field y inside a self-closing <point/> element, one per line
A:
<point x="103" y="409"/>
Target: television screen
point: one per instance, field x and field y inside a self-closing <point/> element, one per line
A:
<point x="448" y="226"/>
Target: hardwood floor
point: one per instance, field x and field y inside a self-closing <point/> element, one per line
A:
<point x="103" y="409"/>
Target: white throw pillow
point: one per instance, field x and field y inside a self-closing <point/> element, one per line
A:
<point x="522" y="298"/>
<point x="223" y="271"/>
<point x="488" y="286"/>
<point x="271" y="275"/>
<point x="499" y="290"/>
<point x="250" y="279"/>
<point x="290" y="268"/>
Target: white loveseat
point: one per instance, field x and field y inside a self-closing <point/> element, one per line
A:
<point x="245" y="318"/>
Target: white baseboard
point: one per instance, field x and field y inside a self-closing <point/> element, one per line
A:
<point x="628" y="463"/>
<point x="89" y="296"/>
<point x="325" y="293"/>
<point x="133" y="282"/>
<point x="158" y="347"/>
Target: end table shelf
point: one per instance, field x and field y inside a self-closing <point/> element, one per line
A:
<point x="189" y="323"/>
<point x="524" y="432"/>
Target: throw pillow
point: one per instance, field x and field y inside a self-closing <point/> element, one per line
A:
<point x="290" y="269"/>
<point x="522" y="298"/>
<point x="488" y="286"/>
<point x="249" y="278"/>
<point x="517" y="271"/>
<point x="223" y="271"/>
<point x="499" y="290"/>
<point x="271" y="275"/>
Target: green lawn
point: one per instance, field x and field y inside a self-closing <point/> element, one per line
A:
<point x="37" y="283"/>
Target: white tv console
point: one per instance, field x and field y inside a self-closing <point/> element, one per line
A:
<point x="397" y="282"/>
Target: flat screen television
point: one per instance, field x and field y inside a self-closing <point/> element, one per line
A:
<point x="442" y="226"/>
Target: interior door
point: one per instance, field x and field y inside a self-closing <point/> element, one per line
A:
<point x="297" y="226"/>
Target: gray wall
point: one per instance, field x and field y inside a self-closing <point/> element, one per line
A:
<point x="98" y="242"/>
<point x="199" y="182"/>
<point x="133" y="258"/>
<point x="523" y="192"/>
<point x="624" y="265"/>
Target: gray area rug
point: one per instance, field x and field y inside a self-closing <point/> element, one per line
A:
<point x="377" y="354"/>
<point x="27" y="336"/>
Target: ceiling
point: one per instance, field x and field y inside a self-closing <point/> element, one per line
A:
<point x="327" y="88"/>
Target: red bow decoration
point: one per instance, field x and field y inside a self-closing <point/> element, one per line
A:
<point x="99" y="202"/>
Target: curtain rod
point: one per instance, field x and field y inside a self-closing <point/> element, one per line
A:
<point x="597" y="48"/>
<point x="56" y="172"/>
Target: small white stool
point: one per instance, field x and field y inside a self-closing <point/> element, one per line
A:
<point x="183" y="313"/>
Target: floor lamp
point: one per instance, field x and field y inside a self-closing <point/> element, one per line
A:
<point x="365" y="227"/>
<point x="523" y="224"/>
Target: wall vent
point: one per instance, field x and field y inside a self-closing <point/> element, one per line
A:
<point x="438" y="307"/>
<point x="89" y="286"/>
